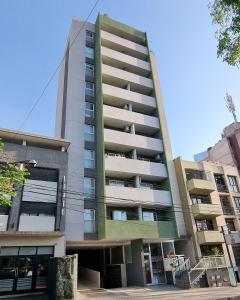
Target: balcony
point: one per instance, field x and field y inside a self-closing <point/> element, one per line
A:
<point x="140" y="229"/>
<point x="119" y="97"/>
<point x="138" y="196"/>
<point x="202" y="209"/>
<point x="120" y="118"/>
<point x="3" y="222"/>
<point x="200" y="186"/>
<point x="209" y="237"/>
<point x="121" y="78"/>
<point x="119" y="60"/>
<point x="120" y="44"/>
<point x="125" y="167"/>
<point x="36" y="223"/>
<point x="122" y="141"/>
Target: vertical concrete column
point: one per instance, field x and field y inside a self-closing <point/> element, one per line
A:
<point x="137" y="181"/>
<point x="134" y="153"/>
<point x="129" y="87"/>
<point x="132" y="128"/>
<point x="140" y="212"/>
<point x="130" y="107"/>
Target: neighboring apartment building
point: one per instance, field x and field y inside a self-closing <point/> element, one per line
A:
<point x="32" y="229"/>
<point x="227" y="150"/>
<point x="211" y="199"/>
<point x="123" y="222"/>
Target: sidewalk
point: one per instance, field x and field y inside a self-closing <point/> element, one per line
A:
<point x="163" y="293"/>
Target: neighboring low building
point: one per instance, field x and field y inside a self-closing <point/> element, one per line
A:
<point x="32" y="229"/>
<point x="226" y="150"/>
<point x="211" y="203"/>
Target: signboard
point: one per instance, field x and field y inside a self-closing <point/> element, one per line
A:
<point x="233" y="238"/>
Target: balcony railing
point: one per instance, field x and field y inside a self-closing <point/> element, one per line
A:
<point x="222" y="188"/>
<point x="202" y="175"/>
<point x="227" y="210"/>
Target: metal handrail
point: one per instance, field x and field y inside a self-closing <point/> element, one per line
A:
<point x="185" y="266"/>
<point x="206" y="262"/>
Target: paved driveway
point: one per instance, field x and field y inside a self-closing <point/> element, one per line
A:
<point x="163" y="293"/>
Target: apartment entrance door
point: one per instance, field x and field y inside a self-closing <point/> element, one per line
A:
<point x="148" y="268"/>
<point x="24" y="273"/>
<point x="24" y="269"/>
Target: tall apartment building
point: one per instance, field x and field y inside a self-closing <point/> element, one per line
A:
<point x="32" y="229"/>
<point x="120" y="168"/>
<point x="211" y="203"/>
<point x="226" y="150"/>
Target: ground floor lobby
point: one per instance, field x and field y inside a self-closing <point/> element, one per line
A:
<point x="136" y="262"/>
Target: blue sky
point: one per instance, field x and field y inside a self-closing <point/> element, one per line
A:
<point x="33" y="36"/>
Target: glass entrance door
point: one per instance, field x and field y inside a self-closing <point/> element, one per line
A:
<point x="7" y="273"/>
<point x="148" y="268"/>
<point x="24" y="274"/>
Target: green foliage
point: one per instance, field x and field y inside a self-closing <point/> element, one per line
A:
<point x="11" y="179"/>
<point x="226" y="14"/>
<point x="208" y="250"/>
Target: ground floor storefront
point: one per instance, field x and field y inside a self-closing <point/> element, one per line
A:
<point x="24" y="261"/>
<point x="136" y="262"/>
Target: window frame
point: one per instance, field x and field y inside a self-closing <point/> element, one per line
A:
<point x="91" y="37"/>
<point x="92" y="187"/>
<point x="89" y="54"/>
<point x="89" y="73"/>
<point x="89" y="134"/>
<point x="90" y="221"/>
<point x="89" y="162"/>
<point x="123" y="214"/>
<point x="89" y="91"/>
<point x="232" y="180"/>
<point x="91" y="113"/>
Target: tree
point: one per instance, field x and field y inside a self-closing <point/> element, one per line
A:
<point x="226" y="14"/>
<point x="11" y="178"/>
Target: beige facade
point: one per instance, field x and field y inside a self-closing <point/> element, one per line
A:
<point x="210" y="195"/>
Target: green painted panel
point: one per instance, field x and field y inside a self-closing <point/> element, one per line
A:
<point x="106" y="21"/>
<point x="140" y="229"/>
<point x="100" y="192"/>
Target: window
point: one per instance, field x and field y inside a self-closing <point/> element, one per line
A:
<point x="203" y="225"/>
<point x="194" y="174"/>
<point x="237" y="204"/>
<point x="230" y="224"/>
<point x="89" y="36"/>
<point x="146" y="185"/>
<point x="233" y="183"/>
<point x="89" y="221"/>
<point x="89" y="110"/>
<point x="226" y="207"/>
<point x="89" y="89"/>
<point x="148" y="216"/>
<point x="220" y="183"/>
<point x="89" y="133"/>
<point x="119" y="215"/>
<point x="89" y="187"/>
<point x="89" y="52"/>
<point x="116" y="182"/>
<point x="89" y="70"/>
<point x="89" y="159"/>
<point x="199" y="199"/>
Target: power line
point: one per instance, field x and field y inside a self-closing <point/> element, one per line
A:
<point x="176" y="208"/>
<point x="56" y="70"/>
